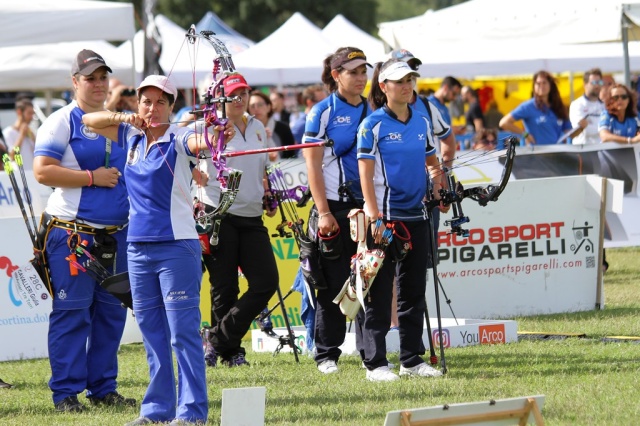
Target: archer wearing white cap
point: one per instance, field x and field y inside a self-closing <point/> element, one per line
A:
<point x="163" y="249"/>
<point x="395" y="143"/>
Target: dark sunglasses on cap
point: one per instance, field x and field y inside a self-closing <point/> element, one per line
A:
<point x="618" y="97"/>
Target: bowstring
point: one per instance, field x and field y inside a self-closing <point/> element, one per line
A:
<point x="474" y="157"/>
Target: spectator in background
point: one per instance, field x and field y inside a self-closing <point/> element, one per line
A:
<point x="121" y="98"/>
<point x="278" y="132"/>
<point x="20" y="135"/>
<point x="585" y="111"/>
<point x="486" y="139"/>
<point x="620" y="122"/>
<point x="280" y="113"/>
<point x="473" y="116"/>
<point x="493" y="116"/>
<point x="310" y="96"/>
<point x="448" y="91"/>
<point x="545" y="115"/>
<point x="605" y="92"/>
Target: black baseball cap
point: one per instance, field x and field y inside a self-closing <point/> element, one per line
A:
<point x="87" y="62"/>
<point x="349" y="58"/>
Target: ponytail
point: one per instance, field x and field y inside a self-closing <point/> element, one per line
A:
<point x="377" y="97"/>
<point x="329" y="83"/>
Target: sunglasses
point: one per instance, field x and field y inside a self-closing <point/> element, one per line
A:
<point x="597" y="82"/>
<point x="618" y="97"/>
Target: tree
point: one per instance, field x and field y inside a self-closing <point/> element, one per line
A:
<point x="256" y="19"/>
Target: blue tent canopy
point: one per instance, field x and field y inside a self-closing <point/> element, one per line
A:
<point x="234" y="41"/>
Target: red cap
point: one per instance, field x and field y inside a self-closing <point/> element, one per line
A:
<point x="234" y="82"/>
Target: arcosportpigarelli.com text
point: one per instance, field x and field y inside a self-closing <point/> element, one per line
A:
<point x="512" y="269"/>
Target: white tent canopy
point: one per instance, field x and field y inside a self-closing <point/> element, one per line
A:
<point x="40" y="40"/>
<point x="234" y="41"/>
<point x="38" y="21"/>
<point x="342" y="32"/>
<point x="183" y="62"/>
<point x="499" y="37"/>
<point x="293" y="54"/>
<point x="48" y="66"/>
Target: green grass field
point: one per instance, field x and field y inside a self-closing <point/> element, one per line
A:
<point x="585" y="381"/>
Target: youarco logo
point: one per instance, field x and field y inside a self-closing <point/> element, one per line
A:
<point x="6" y="264"/>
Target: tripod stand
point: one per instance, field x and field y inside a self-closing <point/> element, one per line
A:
<point x="266" y="326"/>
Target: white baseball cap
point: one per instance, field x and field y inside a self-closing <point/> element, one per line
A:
<point x="161" y="82"/>
<point x="396" y="71"/>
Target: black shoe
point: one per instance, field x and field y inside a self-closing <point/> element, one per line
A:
<point x="70" y="404"/>
<point x="4" y="385"/>
<point x="236" y="360"/>
<point x="112" y="399"/>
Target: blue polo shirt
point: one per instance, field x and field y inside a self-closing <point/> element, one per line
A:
<point x="545" y="127"/>
<point x="334" y="118"/>
<point x="158" y="180"/>
<point x="399" y="150"/>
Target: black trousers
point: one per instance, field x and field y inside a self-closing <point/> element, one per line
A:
<point x="331" y="324"/>
<point x="374" y="320"/>
<point x="243" y="242"/>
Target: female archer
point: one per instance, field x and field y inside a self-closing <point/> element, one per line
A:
<point x="396" y="142"/>
<point x="163" y="248"/>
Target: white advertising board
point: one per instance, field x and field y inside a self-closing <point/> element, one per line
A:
<point x="455" y="333"/>
<point x="535" y="251"/>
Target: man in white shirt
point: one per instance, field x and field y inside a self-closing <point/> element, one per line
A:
<point x="585" y="111"/>
<point x="19" y="135"/>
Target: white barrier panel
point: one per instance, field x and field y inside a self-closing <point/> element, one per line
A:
<point x="460" y="333"/>
<point x="535" y="251"/>
<point x="23" y="330"/>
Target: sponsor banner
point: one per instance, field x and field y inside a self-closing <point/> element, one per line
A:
<point x="29" y="286"/>
<point x="536" y="251"/>
<point x="460" y="333"/>
<point x="23" y="329"/>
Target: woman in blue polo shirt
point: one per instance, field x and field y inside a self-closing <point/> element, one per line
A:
<point x="329" y="169"/>
<point x="86" y="324"/>
<point x="545" y="116"/>
<point x="620" y="123"/>
<point x="395" y="149"/>
<point x="164" y="250"/>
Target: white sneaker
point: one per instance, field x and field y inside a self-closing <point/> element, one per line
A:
<point x="328" y="366"/>
<point x="422" y="370"/>
<point x="389" y="364"/>
<point x="382" y="374"/>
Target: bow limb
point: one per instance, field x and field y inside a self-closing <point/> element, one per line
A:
<point x="490" y="193"/>
<point x="455" y="193"/>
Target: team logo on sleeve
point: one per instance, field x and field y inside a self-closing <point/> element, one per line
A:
<point x="88" y="134"/>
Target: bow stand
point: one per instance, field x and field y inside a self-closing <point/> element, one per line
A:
<point x="453" y="196"/>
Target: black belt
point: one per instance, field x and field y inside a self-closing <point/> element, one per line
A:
<point x="79" y="227"/>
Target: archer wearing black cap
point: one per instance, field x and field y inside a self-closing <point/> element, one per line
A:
<point x="87" y="61"/>
<point x="89" y="206"/>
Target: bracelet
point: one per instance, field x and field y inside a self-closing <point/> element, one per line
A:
<point x="90" y="173"/>
<point x="525" y="135"/>
<point x="628" y="140"/>
<point x="321" y="215"/>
